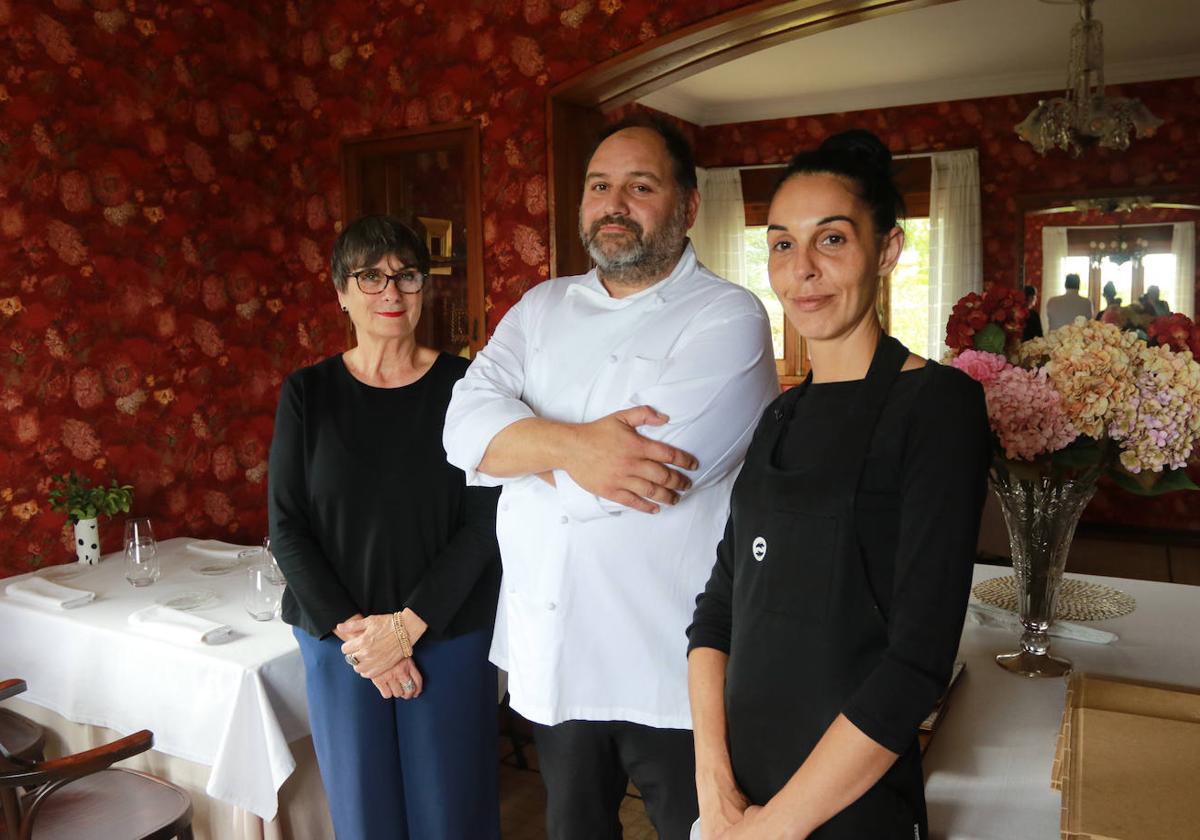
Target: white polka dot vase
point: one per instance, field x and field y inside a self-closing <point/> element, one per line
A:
<point x="87" y="542"/>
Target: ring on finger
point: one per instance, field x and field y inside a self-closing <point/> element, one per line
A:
<point x="408" y="685"/>
<point x="351" y="659"/>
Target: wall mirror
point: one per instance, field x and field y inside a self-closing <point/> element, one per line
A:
<point x="1133" y="238"/>
<point x="430" y="179"/>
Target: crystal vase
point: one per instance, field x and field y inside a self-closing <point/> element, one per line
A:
<point x="1041" y="514"/>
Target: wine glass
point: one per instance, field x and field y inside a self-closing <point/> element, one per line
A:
<point x="141" y="552"/>
<point x="269" y="559"/>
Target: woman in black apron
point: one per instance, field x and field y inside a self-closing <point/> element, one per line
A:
<point x="830" y="623"/>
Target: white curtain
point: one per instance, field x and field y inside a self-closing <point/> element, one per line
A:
<point x="1183" y="246"/>
<point x="955" y="247"/>
<point x="719" y="233"/>
<point x="1054" y="251"/>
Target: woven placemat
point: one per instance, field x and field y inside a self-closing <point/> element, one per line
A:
<point x="1078" y="600"/>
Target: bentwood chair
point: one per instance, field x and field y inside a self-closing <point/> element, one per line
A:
<point x="82" y="797"/>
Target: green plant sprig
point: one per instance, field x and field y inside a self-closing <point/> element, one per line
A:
<point x="72" y="494"/>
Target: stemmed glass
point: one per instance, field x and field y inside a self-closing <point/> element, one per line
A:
<point x="276" y="572"/>
<point x="141" y="552"/>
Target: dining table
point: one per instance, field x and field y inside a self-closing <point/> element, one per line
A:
<point x="230" y="719"/>
<point x="987" y="767"/>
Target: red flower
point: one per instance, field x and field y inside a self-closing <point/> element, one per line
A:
<point x="1001" y="305"/>
<point x="1177" y="332"/>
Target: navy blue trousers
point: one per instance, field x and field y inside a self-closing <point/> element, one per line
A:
<point x="424" y="769"/>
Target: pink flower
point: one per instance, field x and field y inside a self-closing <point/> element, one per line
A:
<point x="80" y="439"/>
<point x="88" y="391"/>
<point x="224" y="463"/>
<point x="529" y="245"/>
<point x="74" y="191"/>
<point x="208" y="337"/>
<point x="25" y="426"/>
<point x="55" y="38"/>
<point x="980" y="366"/>
<point x="527" y="55"/>
<point x="1026" y="414"/>
<point x="65" y="241"/>
<point x="218" y="507"/>
<point x="535" y="195"/>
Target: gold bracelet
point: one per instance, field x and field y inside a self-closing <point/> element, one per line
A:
<point x="401" y="635"/>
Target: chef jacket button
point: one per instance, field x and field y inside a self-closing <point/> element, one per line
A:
<point x="504" y="506"/>
<point x="612" y="358"/>
<point x="552" y="606"/>
<point x="562" y="520"/>
<point x="512" y="590"/>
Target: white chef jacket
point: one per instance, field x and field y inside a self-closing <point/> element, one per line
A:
<point x="596" y="597"/>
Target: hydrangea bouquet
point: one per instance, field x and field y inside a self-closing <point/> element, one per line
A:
<point x="1089" y="398"/>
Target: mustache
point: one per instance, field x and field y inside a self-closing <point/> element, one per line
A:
<point x="620" y="221"/>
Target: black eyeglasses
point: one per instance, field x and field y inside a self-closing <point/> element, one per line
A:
<point x="372" y="281"/>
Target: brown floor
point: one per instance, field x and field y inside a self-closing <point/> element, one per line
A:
<point x="523" y="801"/>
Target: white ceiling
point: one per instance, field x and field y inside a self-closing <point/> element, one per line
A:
<point x="959" y="50"/>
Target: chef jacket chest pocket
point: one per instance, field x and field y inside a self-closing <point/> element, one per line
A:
<point x="795" y="557"/>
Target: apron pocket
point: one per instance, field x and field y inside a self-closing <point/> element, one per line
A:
<point x="798" y="565"/>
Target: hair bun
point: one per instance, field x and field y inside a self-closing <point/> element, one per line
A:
<point x="863" y="145"/>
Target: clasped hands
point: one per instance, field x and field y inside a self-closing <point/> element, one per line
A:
<point x="609" y="459"/>
<point x="726" y="813"/>
<point x="372" y="643"/>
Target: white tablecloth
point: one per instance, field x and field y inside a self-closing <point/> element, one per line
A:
<point x="988" y="768"/>
<point x="233" y="707"/>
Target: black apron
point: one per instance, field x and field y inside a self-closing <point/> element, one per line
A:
<point x="807" y="628"/>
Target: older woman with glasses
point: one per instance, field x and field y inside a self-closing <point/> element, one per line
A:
<point x="391" y="562"/>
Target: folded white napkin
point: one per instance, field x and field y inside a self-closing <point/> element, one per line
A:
<point x="173" y="625"/>
<point x="991" y="616"/>
<point x="46" y="593"/>
<point x="216" y="548"/>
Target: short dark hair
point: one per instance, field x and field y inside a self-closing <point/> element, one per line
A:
<point x="1072" y="281"/>
<point x="683" y="161"/>
<point x="861" y="158"/>
<point x="367" y="240"/>
<point x="1030" y="292"/>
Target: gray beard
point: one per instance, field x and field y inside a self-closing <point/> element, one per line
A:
<point x="647" y="259"/>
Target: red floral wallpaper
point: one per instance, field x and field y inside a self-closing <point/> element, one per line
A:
<point x="169" y="192"/>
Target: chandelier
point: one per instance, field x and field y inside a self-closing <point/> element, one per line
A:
<point x="1118" y="250"/>
<point x="1084" y="116"/>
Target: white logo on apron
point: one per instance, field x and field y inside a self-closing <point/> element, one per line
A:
<point x="759" y="548"/>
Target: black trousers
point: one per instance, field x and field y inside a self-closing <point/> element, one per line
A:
<point x="586" y="766"/>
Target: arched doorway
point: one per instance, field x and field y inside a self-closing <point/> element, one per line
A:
<point x="576" y="108"/>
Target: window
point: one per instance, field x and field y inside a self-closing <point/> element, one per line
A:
<point x="1159" y="270"/>
<point x="908" y="288"/>
<point x="758" y="282"/>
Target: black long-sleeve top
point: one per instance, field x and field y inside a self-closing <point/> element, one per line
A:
<point x="917" y="513"/>
<point x="366" y="515"/>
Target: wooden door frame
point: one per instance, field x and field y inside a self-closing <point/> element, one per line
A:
<point x="463" y="136"/>
<point x="576" y="107"/>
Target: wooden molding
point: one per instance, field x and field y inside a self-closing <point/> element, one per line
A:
<point x="714" y="41"/>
